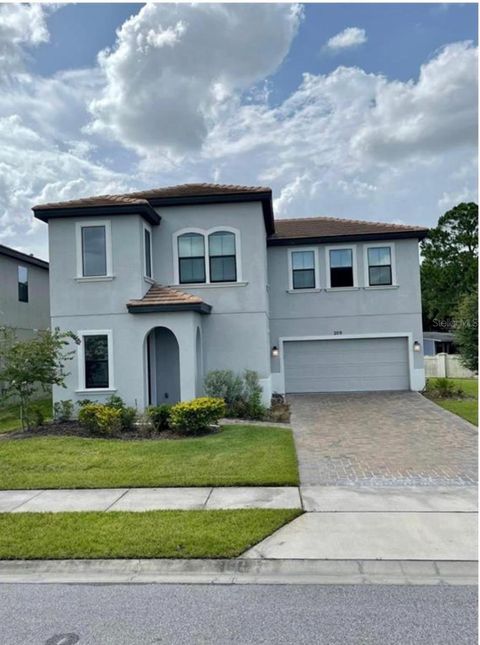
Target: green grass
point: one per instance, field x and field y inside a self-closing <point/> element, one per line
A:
<point x="236" y="456"/>
<point x="10" y="414"/>
<point x="465" y="408"/>
<point x="152" y="534"/>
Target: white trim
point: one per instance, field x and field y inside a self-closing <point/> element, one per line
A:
<point x="304" y="290"/>
<point x="95" y="278"/>
<point x="205" y="233"/>
<point x="205" y="285"/>
<point x="81" y="360"/>
<point x="353" y="248"/>
<point x="389" y="245"/>
<point x="108" y="248"/>
<point x="297" y="249"/>
<point x="147" y="227"/>
<point x="408" y="335"/>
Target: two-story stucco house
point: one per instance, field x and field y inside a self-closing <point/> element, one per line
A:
<point x="165" y="285"/>
<point x="24" y="292"/>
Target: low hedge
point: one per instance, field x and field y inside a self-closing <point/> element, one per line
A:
<point x="198" y="415"/>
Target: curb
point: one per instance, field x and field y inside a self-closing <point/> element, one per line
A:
<point x="239" y="571"/>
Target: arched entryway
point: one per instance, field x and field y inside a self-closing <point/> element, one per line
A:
<point x="198" y="364"/>
<point x="163" y="366"/>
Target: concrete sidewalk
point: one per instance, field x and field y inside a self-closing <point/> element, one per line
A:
<point x="148" y="499"/>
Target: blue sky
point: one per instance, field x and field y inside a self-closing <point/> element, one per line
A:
<point x="345" y="110"/>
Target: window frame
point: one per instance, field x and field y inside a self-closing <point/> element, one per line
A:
<point x="234" y="256"/>
<point x="81" y="360"/>
<point x="206" y="233"/>
<point x="21" y="266"/>
<point x="391" y="246"/>
<point x="147" y="229"/>
<point x="297" y="249"/>
<point x="205" y="271"/>
<point x="108" y="250"/>
<point x="339" y="247"/>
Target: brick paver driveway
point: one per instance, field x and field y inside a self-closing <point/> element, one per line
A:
<point x="381" y="439"/>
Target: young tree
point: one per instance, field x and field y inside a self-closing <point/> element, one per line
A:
<point x="26" y="365"/>
<point x="466" y="330"/>
<point x="450" y="263"/>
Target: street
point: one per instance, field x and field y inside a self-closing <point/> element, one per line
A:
<point x="55" y="614"/>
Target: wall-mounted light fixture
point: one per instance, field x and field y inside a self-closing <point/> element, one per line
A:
<point x="274" y="350"/>
<point x="416" y="346"/>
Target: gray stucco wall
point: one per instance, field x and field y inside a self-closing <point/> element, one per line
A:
<point x="347" y="312"/>
<point x="23" y="316"/>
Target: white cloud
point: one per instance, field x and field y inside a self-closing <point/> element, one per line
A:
<point x="349" y="37"/>
<point x="20" y="25"/>
<point x="173" y="68"/>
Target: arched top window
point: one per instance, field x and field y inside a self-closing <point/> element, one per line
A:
<point x="222" y="257"/>
<point x="191" y="258"/>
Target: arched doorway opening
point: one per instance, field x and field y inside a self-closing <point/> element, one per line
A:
<point x="163" y="366"/>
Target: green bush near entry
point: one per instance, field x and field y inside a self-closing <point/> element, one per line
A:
<point x="195" y="416"/>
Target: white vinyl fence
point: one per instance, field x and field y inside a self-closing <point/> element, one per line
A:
<point x="446" y="365"/>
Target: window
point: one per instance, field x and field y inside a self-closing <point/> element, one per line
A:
<point x="303" y="269"/>
<point x="341" y="268"/>
<point x="191" y="258"/>
<point x="96" y="361"/>
<point x="379" y="266"/>
<point x="148" y="252"/>
<point x="94" y="251"/>
<point x="221" y="250"/>
<point x="22" y="284"/>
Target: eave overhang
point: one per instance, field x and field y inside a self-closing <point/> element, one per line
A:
<point x="363" y="237"/>
<point x="146" y="211"/>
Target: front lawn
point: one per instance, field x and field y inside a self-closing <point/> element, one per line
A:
<point x="10" y="414"/>
<point x="236" y="456"/>
<point x="466" y="408"/>
<point x="153" y="534"/>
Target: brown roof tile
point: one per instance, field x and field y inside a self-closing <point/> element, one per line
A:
<point x="335" y="227"/>
<point x="142" y="196"/>
<point x="159" y="296"/>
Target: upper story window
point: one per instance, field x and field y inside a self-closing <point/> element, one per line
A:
<point x="303" y="269"/>
<point x="209" y="257"/>
<point x="221" y="251"/>
<point x="22" y="284"/>
<point x="341" y="267"/>
<point x="93" y="249"/>
<point x="191" y="258"/>
<point x="147" y="244"/>
<point x="379" y="266"/>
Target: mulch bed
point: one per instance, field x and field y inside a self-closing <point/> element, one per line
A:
<point x="75" y="429"/>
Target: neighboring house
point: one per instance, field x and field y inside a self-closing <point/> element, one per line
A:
<point x="24" y="295"/>
<point x="438" y="342"/>
<point x="166" y="285"/>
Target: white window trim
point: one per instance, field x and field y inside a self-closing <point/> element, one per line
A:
<point x="353" y="248"/>
<point x="108" y="249"/>
<point x="205" y="233"/>
<point x="315" y="266"/>
<point x="391" y="246"/>
<point x="148" y="278"/>
<point x="81" y="361"/>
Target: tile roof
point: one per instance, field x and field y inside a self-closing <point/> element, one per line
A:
<point x="23" y="257"/>
<point x="319" y="227"/>
<point x="161" y="298"/>
<point x="143" y="196"/>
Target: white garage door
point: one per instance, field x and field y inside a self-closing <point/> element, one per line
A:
<point x="346" y="365"/>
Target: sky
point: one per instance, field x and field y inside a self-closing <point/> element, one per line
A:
<point x="361" y="111"/>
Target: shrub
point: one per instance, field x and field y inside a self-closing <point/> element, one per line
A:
<point x="127" y="415"/>
<point x="84" y="402"/>
<point x="37" y="416"/>
<point x="104" y="419"/>
<point x="197" y="415"/>
<point x="253" y="396"/>
<point x="224" y="384"/>
<point x="443" y="388"/>
<point x="159" y="416"/>
<point x="63" y="410"/>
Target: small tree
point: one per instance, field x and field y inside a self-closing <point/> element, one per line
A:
<point x="466" y="331"/>
<point x="26" y="365"/>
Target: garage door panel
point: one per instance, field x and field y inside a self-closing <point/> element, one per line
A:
<point x="346" y="365"/>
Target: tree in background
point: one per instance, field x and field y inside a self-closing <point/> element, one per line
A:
<point x="450" y="265"/>
<point x="466" y="330"/>
<point x="26" y="365"/>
